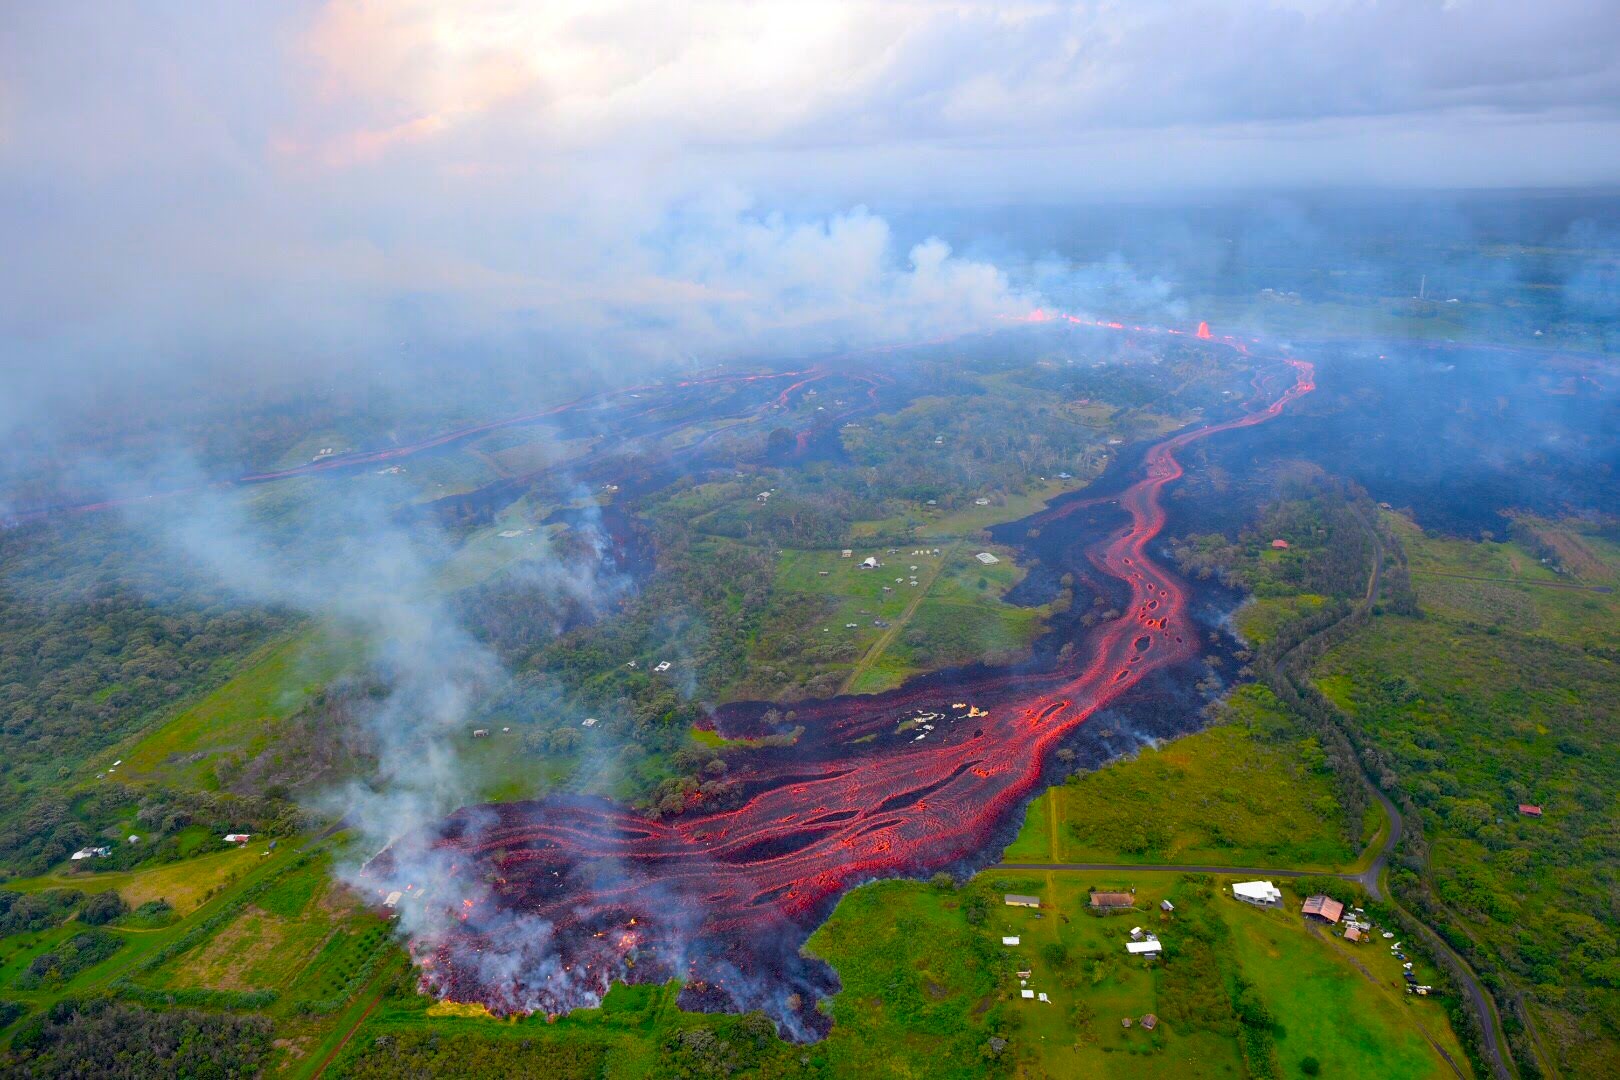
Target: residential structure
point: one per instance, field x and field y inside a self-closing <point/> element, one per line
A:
<point x="1258" y="893"/>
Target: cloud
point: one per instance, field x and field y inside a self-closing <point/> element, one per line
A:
<point x="301" y="188"/>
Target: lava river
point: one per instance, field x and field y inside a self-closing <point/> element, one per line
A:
<point x="553" y="900"/>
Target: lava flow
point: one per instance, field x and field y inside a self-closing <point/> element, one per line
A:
<point x="555" y="899"/>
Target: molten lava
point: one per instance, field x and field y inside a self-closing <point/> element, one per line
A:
<point x="1203" y="331"/>
<point x="724" y="900"/>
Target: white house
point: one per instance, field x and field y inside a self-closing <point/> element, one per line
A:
<point x="1142" y="948"/>
<point x="1258" y="893"/>
<point x="238" y="837"/>
<point x="1009" y="941"/>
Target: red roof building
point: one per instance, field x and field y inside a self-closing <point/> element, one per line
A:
<point x="1529" y="809"/>
<point x="1280" y="545"/>
<point x="1325" y="908"/>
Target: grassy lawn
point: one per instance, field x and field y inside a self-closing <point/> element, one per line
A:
<point x="1250" y="791"/>
<point x="239" y="716"/>
<point x="953" y="615"/>
<point x="185" y="885"/>
<point x="1259" y="619"/>
<point x="1343" y="1004"/>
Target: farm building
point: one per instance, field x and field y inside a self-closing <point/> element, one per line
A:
<point x="1017" y="900"/>
<point x="1324" y="908"/>
<point x="869" y="563"/>
<point x="1105" y="901"/>
<point x="1259" y="893"/>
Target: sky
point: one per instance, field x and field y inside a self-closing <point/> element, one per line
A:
<point x="269" y="186"/>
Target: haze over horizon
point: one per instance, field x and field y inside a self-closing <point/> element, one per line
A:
<point x="271" y="185"/>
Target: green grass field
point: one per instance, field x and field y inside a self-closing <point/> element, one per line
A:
<point x="1505" y="692"/>
<point x="242" y="715"/>
<point x="1253" y="790"/>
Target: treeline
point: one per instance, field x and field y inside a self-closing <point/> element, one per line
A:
<point x="49" y="829"/>
<point x="472" y="1057"/>
<point x="114" y="1041"/>
<point x="72" y="956"/>
<point x="89" y="654"/>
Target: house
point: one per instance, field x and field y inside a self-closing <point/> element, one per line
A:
<point x="1143" y="948"/>
<point x="981" y="502"/>
<point x="393" y="898"/>
<point x="662" y="665"/>
<point x="1027" y="994"/>
<point x="847" y="553"/>
<point x="589" y="721"/>
<point x="1016" y="900"/>
<point x="1149" y="1022"/>
<point x="869" y="563"/>
<point x="1529" y="809"/>
<point x="1324" y="908"/>
<point x="238" y="837"/>
<point x="1165" y="905"/>
<point x="1355" y="935"/>
<point x="480" y="732"/>
<point x="1279" y="545"/>
<point x="1009" y="940"/>
<point x="1258" y="893"/>
<point x="1106" y="901"/>
<point x="987" y="558"/>
<point x="1136" y="933"/>
<point x="91" y="853"/>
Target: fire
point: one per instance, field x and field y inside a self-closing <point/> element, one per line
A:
<point x="741" y="889"/>
<point x="1203" y="332"/>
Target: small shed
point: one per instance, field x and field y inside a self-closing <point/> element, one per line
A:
<point x="1009" y="940"/>
<point x="1355" y="935"/>
<point x="1027" y="994"/>
<point x="1165" y="905"/>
